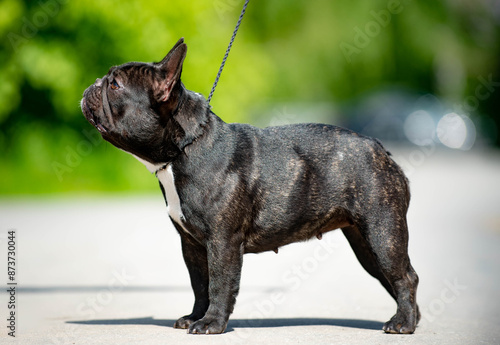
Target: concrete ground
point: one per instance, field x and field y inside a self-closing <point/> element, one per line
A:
<point x="109" y="270"/>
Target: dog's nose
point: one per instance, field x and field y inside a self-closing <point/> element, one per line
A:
<point x="98" y="82"/>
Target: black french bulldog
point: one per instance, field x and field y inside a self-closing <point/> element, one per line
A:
<point x="233" y="189"/>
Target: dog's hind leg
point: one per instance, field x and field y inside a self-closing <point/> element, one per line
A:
<point x="366" y="257"/>
<point x="381" y="247"/>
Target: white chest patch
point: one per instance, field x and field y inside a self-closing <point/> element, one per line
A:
<point x="166" y="177"/>
<point x="167" y="180"/>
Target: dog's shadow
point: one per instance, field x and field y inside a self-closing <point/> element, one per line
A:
<point x="250" y="323"/>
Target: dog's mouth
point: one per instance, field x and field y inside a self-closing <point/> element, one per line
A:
<point x="92" y="118"/>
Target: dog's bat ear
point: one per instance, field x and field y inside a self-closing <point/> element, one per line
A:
<point x="171" y="68"/>
<point x="165" y="59"/>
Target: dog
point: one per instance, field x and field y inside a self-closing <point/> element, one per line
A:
<point x="232" y="189"/>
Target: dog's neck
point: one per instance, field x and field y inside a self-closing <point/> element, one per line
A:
<point x="188" y="115"/>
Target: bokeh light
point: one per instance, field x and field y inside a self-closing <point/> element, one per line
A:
<point x="419" y="128"/>
<point x="456" y="131"/>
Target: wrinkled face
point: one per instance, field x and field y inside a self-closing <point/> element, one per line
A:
<point x="129" y="106"/>
<point x="120" y="105"/>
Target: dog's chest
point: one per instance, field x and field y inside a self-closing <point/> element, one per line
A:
<point x="167" y="179"/>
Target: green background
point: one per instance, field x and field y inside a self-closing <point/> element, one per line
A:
<point x="311" y="52"/>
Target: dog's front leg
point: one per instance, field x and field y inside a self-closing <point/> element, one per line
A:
<point x="225" y="258"/>
<point x="195" y="257"/>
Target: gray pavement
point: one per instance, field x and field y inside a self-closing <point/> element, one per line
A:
<point x="109" y="270"/>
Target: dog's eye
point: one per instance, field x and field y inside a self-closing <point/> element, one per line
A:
<point x="114" y="85"/>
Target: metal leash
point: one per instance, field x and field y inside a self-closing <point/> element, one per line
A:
<point x="228" y="49"/>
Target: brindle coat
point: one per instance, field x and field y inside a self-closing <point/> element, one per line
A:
<point x="242" y="189"/>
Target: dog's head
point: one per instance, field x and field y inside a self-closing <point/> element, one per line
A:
<point x="133" y="105"/>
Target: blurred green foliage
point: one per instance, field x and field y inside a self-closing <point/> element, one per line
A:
<point x="294" y="50"/>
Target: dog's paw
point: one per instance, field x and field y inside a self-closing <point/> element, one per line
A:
<point x="400" y="325"/>
<point x="208" y="325"/>
<point x="185" y="321"/>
